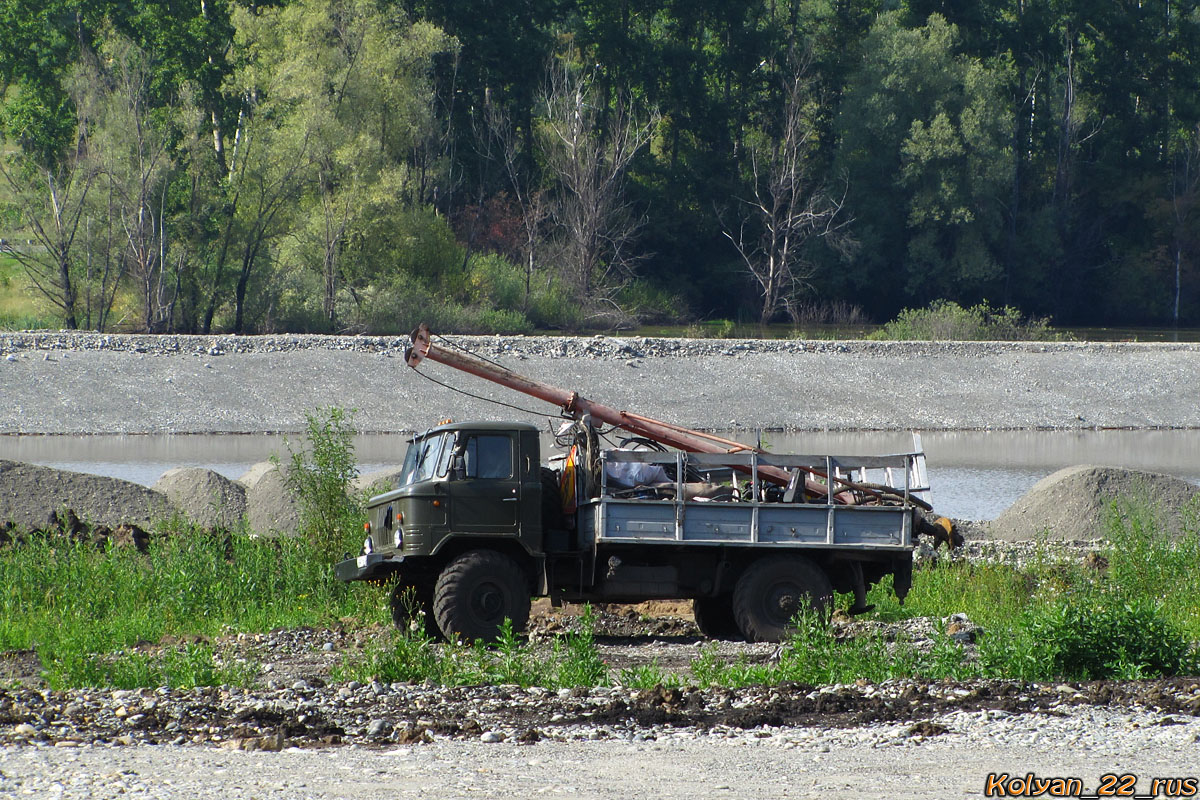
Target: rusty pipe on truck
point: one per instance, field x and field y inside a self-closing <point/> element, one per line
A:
<point x="571" y="403"/>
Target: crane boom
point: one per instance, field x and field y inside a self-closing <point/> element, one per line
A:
<point x="691" y="441"/>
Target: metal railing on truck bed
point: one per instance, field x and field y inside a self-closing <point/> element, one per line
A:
<point x="742" y="516"/>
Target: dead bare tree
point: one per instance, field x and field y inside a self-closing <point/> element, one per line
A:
<point x="136" y="167"/>
<point x="51" y="201"/>
<point x="588" y="151"/>
<point x="1185" y="194"/>
<point x="531" y="201"/>
<point x="789" y="207"/>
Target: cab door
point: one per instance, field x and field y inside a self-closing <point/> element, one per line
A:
<point x="486" y="495"/>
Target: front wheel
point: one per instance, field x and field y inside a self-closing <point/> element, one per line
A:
<point x="476" y="592"/>
<point x="773" y="590"/>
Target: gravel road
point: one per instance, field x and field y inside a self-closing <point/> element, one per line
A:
<point x="92" y="383"/>
<point x="882" y="761"/>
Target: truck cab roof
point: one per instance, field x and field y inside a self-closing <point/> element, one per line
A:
<point x="478" y="425"/>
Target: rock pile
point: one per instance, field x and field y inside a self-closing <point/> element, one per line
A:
<point x="205" y="497"/>
<point x="30" y="493"/>
<point x="1077" y="504"/>
<point x="271" y="507"/>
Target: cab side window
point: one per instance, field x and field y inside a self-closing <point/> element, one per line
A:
<point x="488" y="456"/>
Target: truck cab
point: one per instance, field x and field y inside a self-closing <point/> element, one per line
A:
<point x="463" y="526"/>
<point x="461" y="485"/>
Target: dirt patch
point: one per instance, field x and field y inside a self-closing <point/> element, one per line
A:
<point x="1076" y="503"/>
<point x="614" y="622"/>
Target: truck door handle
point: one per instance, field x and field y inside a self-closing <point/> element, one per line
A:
<point x="508" y="499"/>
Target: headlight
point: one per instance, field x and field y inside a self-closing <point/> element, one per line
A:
<point x="368" y="548"/>
<point x="399" y="538"/>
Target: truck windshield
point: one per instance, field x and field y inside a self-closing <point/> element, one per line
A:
<point x="422" y="459"/>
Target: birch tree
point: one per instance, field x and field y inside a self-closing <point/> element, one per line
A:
<point x="788" y="206"/>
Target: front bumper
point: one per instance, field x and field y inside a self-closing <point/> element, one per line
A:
<point x="366" y="567"/>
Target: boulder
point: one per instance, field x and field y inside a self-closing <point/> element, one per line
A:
<point x="271" y="507"/>
<point x="205" y="497"/>
<point x="29" y="494"/>
<point x="1076" y="503"/>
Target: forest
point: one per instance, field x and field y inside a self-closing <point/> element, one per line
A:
<point x="359" y="165"/>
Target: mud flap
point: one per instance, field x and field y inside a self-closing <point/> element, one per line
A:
<point x="902" y="577"/>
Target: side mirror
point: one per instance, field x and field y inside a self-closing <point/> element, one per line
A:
<point x="459" y="467"/>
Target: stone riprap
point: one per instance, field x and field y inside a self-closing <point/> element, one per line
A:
<point x="97" y="383"/>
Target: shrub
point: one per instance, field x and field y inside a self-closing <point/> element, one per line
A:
<point x="649" y="303"/>
<point x="552" y="306"/>
<point x="494" y="281"/>
<point x="946" y="320"/>
<point x="1094" y="634"/>
<point x="1143" y="559"/>
<point x="320" y="475"/>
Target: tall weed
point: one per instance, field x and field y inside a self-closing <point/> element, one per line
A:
<point x="412" y="655"/>
<point x="321" y="475"/>
<point x="77" y="605"/>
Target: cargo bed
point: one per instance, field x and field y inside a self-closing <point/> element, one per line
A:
<point x="744" y="519"/>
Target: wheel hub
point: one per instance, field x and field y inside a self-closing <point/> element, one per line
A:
<point x="488" y="603"/>
<point x="783" y="602"/>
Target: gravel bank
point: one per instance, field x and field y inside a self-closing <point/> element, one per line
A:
<point x="879" y="761"/>
<point x="92" y="383"/>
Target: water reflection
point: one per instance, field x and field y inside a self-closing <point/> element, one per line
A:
<point x="975" y="474"/>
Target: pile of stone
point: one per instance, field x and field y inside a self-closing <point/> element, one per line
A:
<point x="1086" y="503"/>
<point x="36" y="498"/>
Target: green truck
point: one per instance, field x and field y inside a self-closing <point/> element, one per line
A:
<point x="477" y="526"/>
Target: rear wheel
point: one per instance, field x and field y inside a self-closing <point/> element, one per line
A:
<point x="476" y="592"/>
<point x="773" y="590"/>
<point x="714" y="617"/>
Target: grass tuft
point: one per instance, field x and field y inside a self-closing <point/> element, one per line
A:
<point x="413" y="656"/>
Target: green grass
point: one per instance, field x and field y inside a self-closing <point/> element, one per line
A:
<point x="570" y="660"/>
<point x="89" y="613"/>
<point x="21" y="308"/>
<point x="78" y="606"/>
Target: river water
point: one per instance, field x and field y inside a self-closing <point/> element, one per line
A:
<point x="974" y="474"/>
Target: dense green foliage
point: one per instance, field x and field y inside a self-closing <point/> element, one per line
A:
<point x="85" y="610"/>
<point x="335" y="165"/>
<point x="320" y="474"/>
